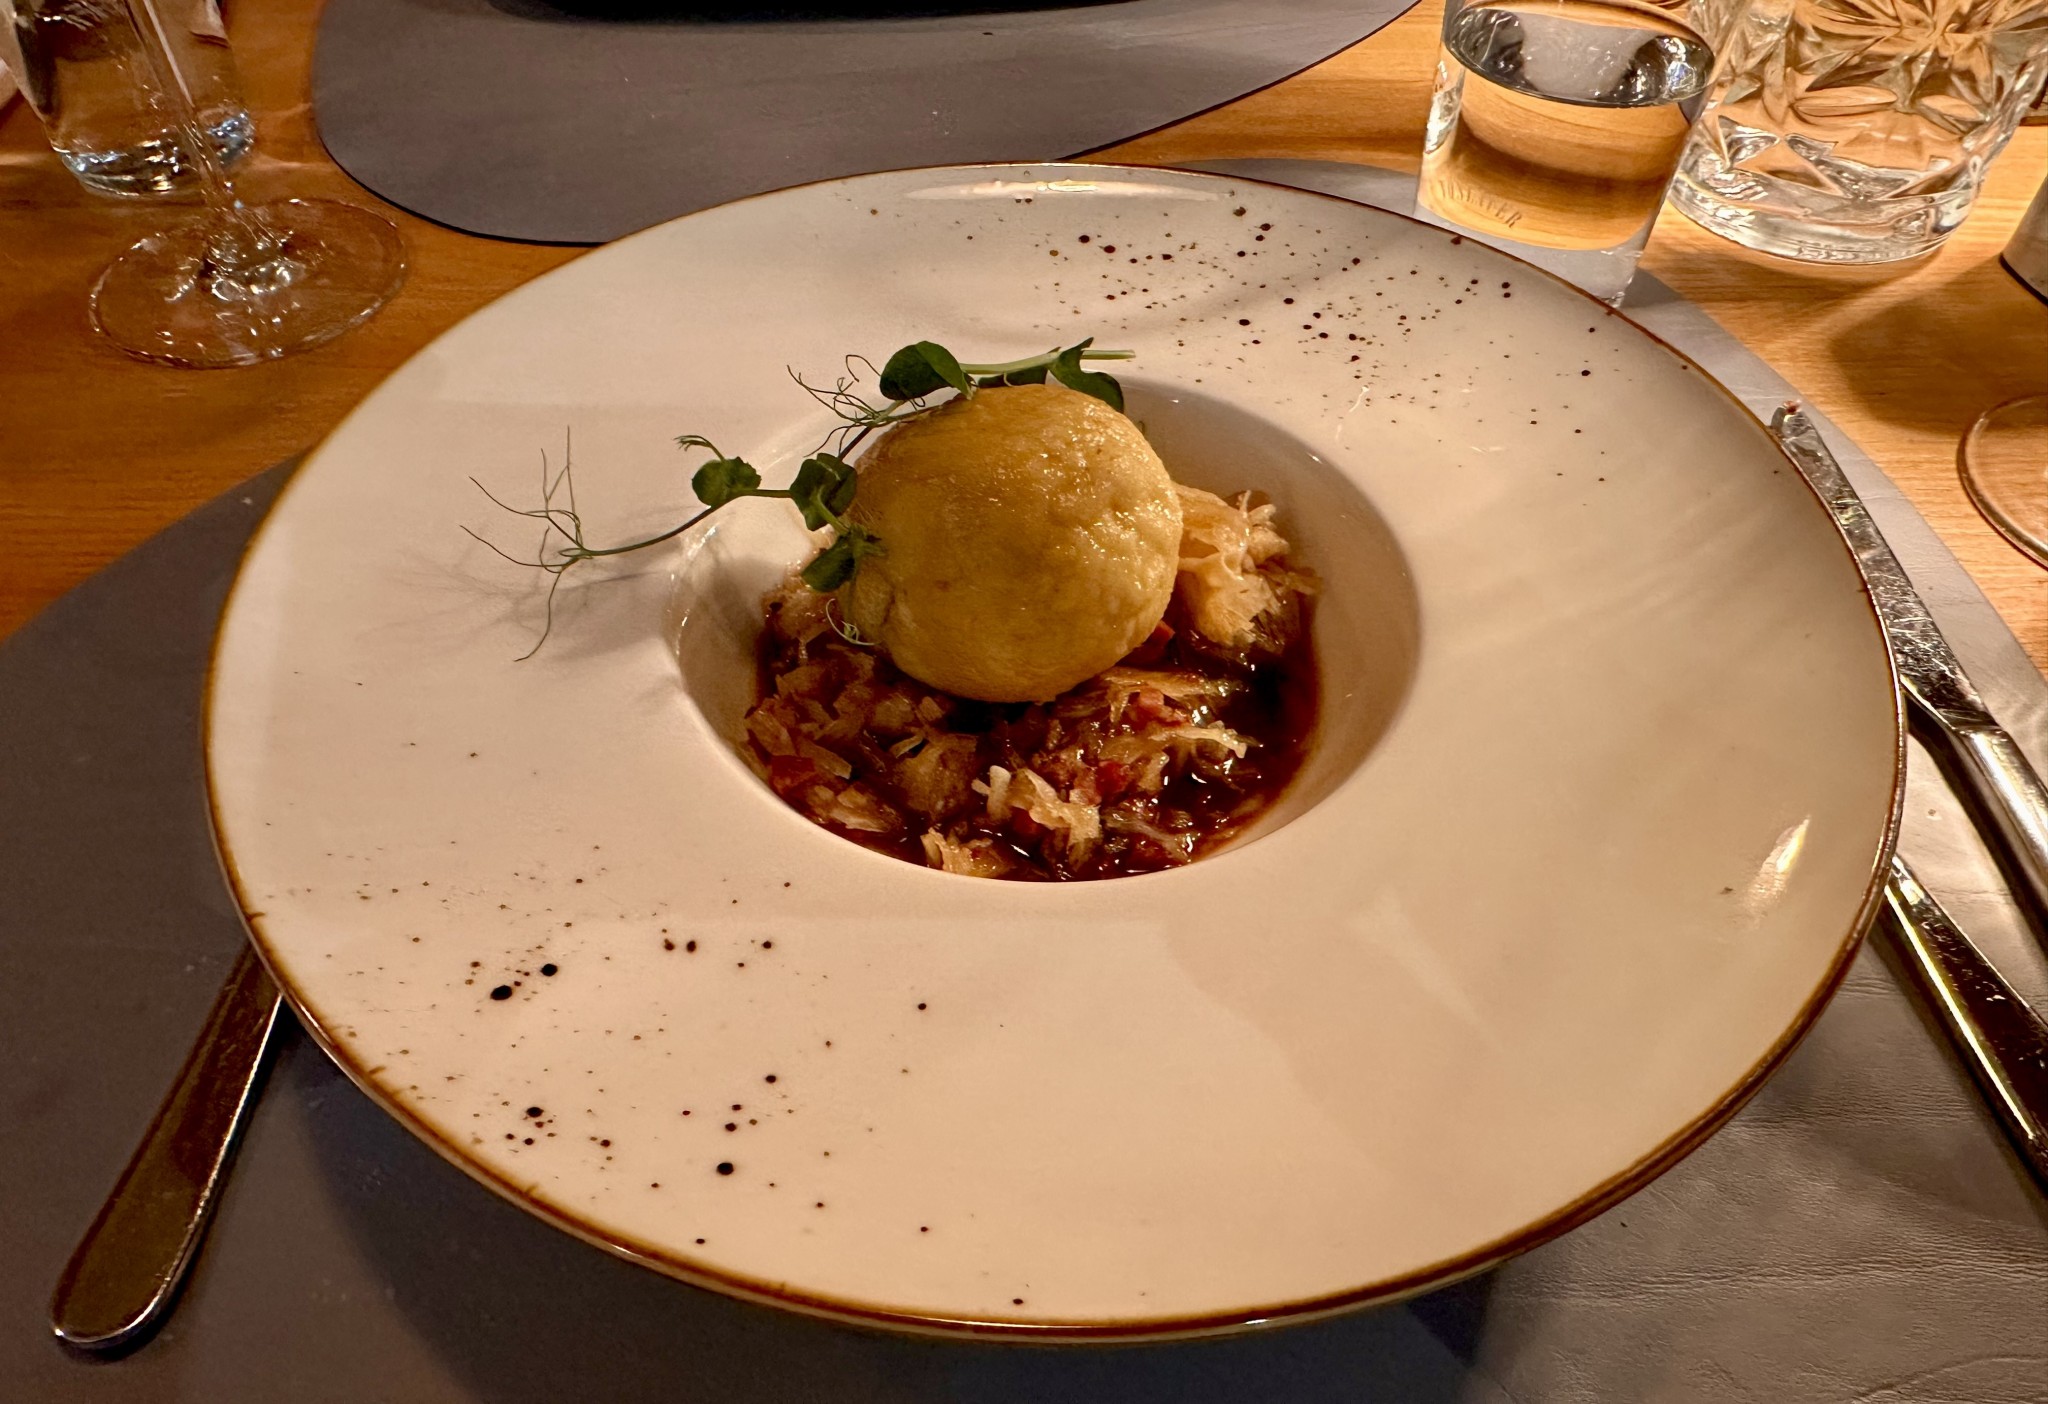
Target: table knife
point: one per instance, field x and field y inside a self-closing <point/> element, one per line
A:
<point x="2002" y="1042"/>
<point x="1943" y="706"/>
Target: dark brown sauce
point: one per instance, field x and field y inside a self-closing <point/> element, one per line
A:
<point x="1200" y="806"/>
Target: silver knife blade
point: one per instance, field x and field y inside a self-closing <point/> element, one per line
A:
<point x="2001" y="1040"/>
<point x="1928" y="668"/>
<point x="1947" y="712"/>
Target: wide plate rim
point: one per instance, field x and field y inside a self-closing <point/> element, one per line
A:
<point x="1586" y="1206"/>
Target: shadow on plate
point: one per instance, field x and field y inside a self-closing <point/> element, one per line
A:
<point x="521" y="1312"/>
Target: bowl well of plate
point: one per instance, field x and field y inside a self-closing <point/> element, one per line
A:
<point x="1363" y="623"/>
<point x="1607" y="767"/>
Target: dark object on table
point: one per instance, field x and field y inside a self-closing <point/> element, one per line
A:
<point x="2026" y="257"/>
<point x="710" y="12"/>
<point x="577" y="121"/>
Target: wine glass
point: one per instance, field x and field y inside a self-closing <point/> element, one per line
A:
<point x="240" y="284"/>
<point x="2004" y="463"/>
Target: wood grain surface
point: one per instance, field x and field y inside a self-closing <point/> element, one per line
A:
<point x="98" y="452"/>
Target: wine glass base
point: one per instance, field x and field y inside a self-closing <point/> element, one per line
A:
<point x="170" y="299"/>
<point x="2004" y="463"/>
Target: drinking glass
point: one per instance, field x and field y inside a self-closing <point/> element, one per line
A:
<point x="2004" y="456"/>
<point x="1857" y="131"/>
<point x="83" y="69"/>
<point x="1555" y="126"/>
<point x="2004" y="465"/>
<point x="239" y="284"/>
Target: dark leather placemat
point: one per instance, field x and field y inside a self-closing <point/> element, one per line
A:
<point x="577" y="121"/>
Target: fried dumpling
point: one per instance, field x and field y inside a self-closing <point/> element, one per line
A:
<point x="1031" y="537"/>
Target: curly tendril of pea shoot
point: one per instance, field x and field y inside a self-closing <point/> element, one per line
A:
<point x="825" y="484"/>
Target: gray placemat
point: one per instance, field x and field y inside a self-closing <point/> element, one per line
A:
<point x="577" y="121"/>
<point x="1859" y="1232"/>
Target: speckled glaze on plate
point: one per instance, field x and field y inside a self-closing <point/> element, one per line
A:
<point x="1608" y="768"/>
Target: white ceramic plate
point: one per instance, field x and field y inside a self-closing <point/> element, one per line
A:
<point x="1609" y="762"/>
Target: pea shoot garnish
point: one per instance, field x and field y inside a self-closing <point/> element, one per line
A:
<point x="910" y="383"/>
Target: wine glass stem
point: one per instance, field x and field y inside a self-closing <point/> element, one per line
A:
<point x="240" y="243"/>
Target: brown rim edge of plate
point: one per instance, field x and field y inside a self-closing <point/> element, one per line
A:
<point x="1588" y="1205"/>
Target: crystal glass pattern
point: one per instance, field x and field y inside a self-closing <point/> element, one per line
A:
<point x="1858" y="131"/>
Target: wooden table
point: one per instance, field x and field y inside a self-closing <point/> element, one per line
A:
<point x="97" y="452"/>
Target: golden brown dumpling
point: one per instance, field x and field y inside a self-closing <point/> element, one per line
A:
<point x="1031" y="537"/>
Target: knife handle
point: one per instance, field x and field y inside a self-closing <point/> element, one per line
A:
<point x="127" y="1268"/>
<point x="2010" y="795"/>
<point x="2004" y="1042"/>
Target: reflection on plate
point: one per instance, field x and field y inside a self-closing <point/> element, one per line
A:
<point x="1609" y="760"/>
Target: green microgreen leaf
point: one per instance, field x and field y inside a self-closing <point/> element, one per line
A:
<point x="823" y="489"/>
<point x="921" y="369"/>
<point x="834" y="566"/>
<point x="830" y="568"/>
<point x="1066" y="369"/>
<point x="1029" y="375"/>
<point x="722" y="479"/>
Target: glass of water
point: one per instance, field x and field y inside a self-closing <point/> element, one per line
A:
<point x="238" y="283"/>
<point x="1555" y="127"/>
<point x="1857" y="131"/>
<point x="82" y="67"/>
